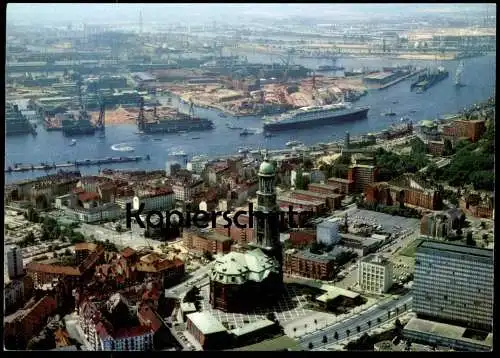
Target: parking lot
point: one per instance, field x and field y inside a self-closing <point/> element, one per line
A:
<point x="288" y="308"/>
<point x="390" y="224"/>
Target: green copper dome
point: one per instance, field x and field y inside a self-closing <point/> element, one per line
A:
<point x="266" y="168"/>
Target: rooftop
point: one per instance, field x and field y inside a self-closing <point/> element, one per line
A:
<point x="376" y="259"/>
<point x="289" y="199"/>
<point x="455" y="248"/>
<point x="206" y="323"/>
<point x="251" y="327"/>
<point x="333" y="292"/>
<point x="306" y="254"/>
<point x="274" y="344"/>
<point x="444" y="330"/>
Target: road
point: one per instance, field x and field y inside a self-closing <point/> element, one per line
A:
<point x="200" y="278"/>
<point x="372" y="314"/>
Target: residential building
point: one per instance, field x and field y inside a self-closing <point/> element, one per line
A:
<point x="23" y="324"/>
<point x="111" y="326"/>
<point x="362" y="176"/>
<point x="346" y="185"/>
<point x="375" y="274"/>
<point x="184" y="190"/>
<point x="472" y="130"/>
<point x="439" y="225"/>
<point x="435" y="147"/>
<point x="358" y="244"/>
<point x="477" y="205"/>
<point x="207" y="330"/>
<point x="312" y="205"/>
<point x="15" y="265"/>
<point x="157" y="199"/>
<point x="202" y="241"/>
<point x="162" y="270"/>
<point x="332" y="201"/>
<point x="454" y="283"/>
<point x="306" y="264"/>
<point x="407" y="189"/>
<point x="13" y="295"/>
<point x="100" y="213"/>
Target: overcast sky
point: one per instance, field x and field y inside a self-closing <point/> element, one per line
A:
<point x="65" y="14"/>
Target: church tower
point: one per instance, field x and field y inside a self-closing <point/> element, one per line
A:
<point x="267" y="235"/>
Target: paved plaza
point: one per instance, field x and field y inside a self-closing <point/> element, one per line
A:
<point x="288" y="308"/>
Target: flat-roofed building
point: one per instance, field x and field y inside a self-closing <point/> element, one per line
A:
<point x="332" y="201"/>
<point x="441" y="334"/>
<point x="307" y="264"/>
<point x="211" y="241"/>
<point x="454" y="283"/>
<point x="207" y="330"/>
<point x="375" y="274"/>
<point x="346" y="185"/>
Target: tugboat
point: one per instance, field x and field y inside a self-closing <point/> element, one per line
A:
<point x="293" y="143"/>
<point x="73" y="143"/>
<point x="246" y="132"/>
<point x="390" y="113"/>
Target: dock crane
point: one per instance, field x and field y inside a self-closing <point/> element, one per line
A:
<point x="101" y="122"/>
<point x="287" y="61"/>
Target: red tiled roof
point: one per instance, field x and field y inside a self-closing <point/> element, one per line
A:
<point x="78" y="190"/>
<point x="147" y="316"/>
<point x="85" y="246"/>
<point x="53" y="269"/>
<point x="127" y="252"/>
<point x="88" y="196"/>
<point x="132" y="332"/>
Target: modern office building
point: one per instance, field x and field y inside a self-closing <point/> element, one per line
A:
<point x="454" y="284"/>
<point x="375" y="274"/>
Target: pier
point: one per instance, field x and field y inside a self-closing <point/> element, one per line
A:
<point x="412" y="74"/>
<point x="76" y="163"/>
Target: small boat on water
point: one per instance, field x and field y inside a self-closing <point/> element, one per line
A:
<point x="389" y="113"/>
<point x="232" y="127"/>
<point x="140" y="132"/>
<point x="293" y="143"/>
<point x="243" y="150"/>
<point x="195" y="137"/>
<point x="157" y="139"/>
<point x="395" y="102"/>
<point x="246" y="132"/>
<point x="268" y="135"/>
<point x="73" y="143"/>
<point x="413" y="111"/>
<point x="222" y="115"/>
<point x="405" y="119"/>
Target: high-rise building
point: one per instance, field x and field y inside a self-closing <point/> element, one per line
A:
<point x="267" y="235"/>
<point x="375" y="274"/>
<point x="15" y="262"/>
<point x="454" y="284"/>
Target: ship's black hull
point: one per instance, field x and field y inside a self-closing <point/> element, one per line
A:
<point x="274" y="127"/>
<point x="179" y="126"/>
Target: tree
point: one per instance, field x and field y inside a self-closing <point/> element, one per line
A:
<point x="388" y="314"/>
<point x="118" y="227"/>
<point x="369" y="324"/>
<point x="448" y="148"/>
<point x="325" y="339"/>
<point x="347" y="332"/>
<point x="294" y="330"/>
<point x="311" y="345"/>
<point x="379" y="320"/>
<point x="272" y="317"/>
<point x="469" y="240"/>
<point x="316" y="323"/>
<point x="336" y="336"/>
<point x="398" y="325"/>
<point x="358" y="328"/>
<point x="208" y="255"/>
<point x="485" y="238"/>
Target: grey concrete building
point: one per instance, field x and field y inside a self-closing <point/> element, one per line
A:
<point x="454" y="283"/>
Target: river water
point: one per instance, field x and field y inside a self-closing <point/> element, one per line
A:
<point x="479" y="76"/>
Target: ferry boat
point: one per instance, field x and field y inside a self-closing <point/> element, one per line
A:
<point x="307" y="117"/>
<point x="246" y="132"/>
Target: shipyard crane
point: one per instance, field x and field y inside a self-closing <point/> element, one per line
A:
<point x="287" y="61"/>
<point x="101" y="123"/>
<point x="191" y="108"/>
<point x="140" y="117"/>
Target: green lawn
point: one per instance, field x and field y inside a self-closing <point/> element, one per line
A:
<point x="410" y="249"/>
